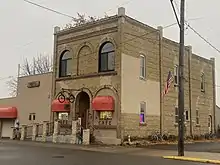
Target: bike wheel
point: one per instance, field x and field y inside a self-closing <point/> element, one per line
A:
<point x="71" y="98"/>
<point x="61" y="98"/>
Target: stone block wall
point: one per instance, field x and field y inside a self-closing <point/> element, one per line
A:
<point x="131" y="125"/>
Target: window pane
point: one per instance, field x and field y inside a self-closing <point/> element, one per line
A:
<point x="63" y="68"/>
<point x="143" y="107"/>
<point x="142" y="71"/>
<point x="111" y="61"/>
<point x="142" y="66"/>
<point x="197" y="120"/>
<point x="187" y="115"/>
<point x="108" y="47"/>
<point x="176" y="74"/>
<point x="202" y="82"/>
<point x="66" y="56"/>
<point x="142" y="119"/>
<point x="176" y="79"/>
<point x="176" y="70"/>
<point x="197" y="113"/>
<point x="68" y="67"/>
<point x="30" y="117"/>
<point x="104" y="62"/>
<point x="142" y="62"/>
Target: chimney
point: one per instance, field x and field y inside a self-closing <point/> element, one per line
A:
<point x="56" y="29"/>
<point x="121" y="11"/>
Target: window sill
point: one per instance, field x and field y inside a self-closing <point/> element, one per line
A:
<point x="198" y="125"/>
<point x="111" y="73"/>
<point x="176" y="124"/>
<point x="142" y="124"/>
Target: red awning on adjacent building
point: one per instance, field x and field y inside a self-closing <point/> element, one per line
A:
<point x="103" y="103"/>
<point x="8" y="113"/>
<point x="60" y="107"/>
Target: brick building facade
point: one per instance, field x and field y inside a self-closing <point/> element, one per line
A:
<point x="118" y="67"/>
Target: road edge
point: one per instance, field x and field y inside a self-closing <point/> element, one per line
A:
<point x="192" y="159"/>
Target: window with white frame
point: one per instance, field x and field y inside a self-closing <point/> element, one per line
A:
<point x="197" y="116"/>
<point x="176" y="77"/>
<point x="142" y="66"/>
<point x="202" y="82"/>
<point x="142" y="112"/>
<point x="176" y="114"/>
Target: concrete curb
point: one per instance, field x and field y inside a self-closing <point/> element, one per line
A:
<point x="192" y="159"/>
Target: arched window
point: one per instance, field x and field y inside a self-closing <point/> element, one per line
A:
<point x="107" y="57"/>
<point x="65" y="64"/>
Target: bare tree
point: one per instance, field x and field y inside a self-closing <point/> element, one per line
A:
<point x="41" y="64"/>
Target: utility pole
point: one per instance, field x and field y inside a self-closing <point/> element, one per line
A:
<point x="181" y="125"/>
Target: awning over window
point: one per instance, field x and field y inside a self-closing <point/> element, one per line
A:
<point x="103" y="103"/>
<point x="60" y="107"/>
<point x="8" y="113"/>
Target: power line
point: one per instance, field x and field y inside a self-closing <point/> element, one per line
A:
<point x="197" y="33"/>
<point x="49" y="9"/>
<point x="203" y="38"/>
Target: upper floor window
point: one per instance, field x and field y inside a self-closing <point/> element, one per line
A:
<point x="176" y="73"/>
<point x="107" y="57"/>
<point x="203" y="82"/>
<point x="142" y="66"/>
<point x="65" y="64"/>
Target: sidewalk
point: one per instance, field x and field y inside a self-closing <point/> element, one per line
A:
<point x="204" y="157"/>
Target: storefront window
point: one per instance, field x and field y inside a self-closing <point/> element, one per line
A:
<point x="105" y="115"/>
<point x="63" y="117"/>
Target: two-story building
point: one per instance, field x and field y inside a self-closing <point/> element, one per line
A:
<point x="119" y="67"/>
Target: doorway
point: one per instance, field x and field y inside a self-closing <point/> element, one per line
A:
<point x="210" y="123"/>
<point x="82" y="108"/>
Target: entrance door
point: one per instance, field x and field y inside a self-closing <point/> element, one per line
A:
<point x="83" y="108"/>
<point x="210" y="123"/>
<point x="7" y="128"/>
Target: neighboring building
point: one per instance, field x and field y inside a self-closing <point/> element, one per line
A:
<point x="31" y="105"/>
<point x="119" y="67"/>
<point x="217" y="114"/>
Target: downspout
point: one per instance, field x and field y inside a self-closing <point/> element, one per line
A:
<point x="214" y="94"/>
<point x="190" y="88"/>
<point x="54" y="72"/>
<point x="160" y="29"/>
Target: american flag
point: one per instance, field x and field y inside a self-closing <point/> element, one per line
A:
<point x="168" y="83"/>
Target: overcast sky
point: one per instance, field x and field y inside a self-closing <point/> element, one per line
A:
<point x="27" y="30"/>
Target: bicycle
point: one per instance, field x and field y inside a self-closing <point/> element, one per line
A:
<point x="61" y="96"/>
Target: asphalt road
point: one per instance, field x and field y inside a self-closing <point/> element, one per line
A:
<point x="16" y="154"/>
<point x="213" y="147"/>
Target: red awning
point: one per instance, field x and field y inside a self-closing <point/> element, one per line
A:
<point x="60" y="107"/>
<point x="103" y="103"/>
<point x="8" y="113"/>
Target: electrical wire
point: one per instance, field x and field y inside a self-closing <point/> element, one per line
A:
<point x="145" y="34"/>
<point x="196" y="32"/>
<point x="49" y="9"/>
